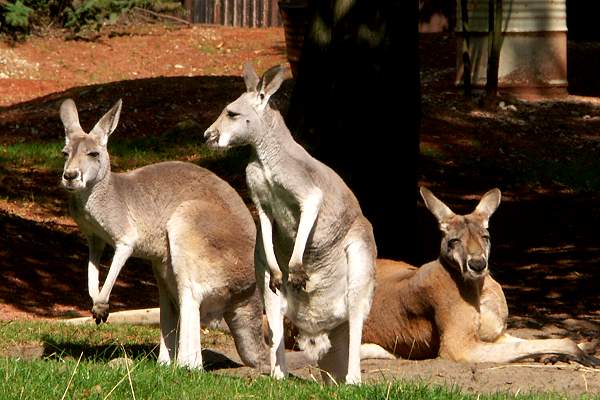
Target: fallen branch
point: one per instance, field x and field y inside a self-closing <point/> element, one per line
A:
<point x="160" y="15"/>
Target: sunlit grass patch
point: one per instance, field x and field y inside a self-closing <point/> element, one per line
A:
<point x="125" y="153"/>
<point x="144" y="379"/>
<point x="62" y="340"/>
<point x="46" y="155"/>
<point x="73" y="367"/>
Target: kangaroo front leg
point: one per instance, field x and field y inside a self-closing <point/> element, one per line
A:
<point x="309" y="207"/>
<point x="266" y="229"/>
<point x="95" y="247"/>
<point x="100" y="308"/>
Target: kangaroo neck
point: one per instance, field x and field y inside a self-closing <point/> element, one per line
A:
<point x="274" y="141"/>
<point x="99" y="191"/>
<point x="470" y="289"/>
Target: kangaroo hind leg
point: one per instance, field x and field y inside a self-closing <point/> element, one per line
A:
<point x="360" y="256"/>
<point x="245" y="323"/>
<point x="186" y="269"/>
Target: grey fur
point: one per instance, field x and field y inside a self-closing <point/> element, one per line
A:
<point x="190" y="224"/>
<point x="315" y="245"/>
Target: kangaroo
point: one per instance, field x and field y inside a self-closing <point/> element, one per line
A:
<point x="314" y="247"/>
<point x="451" y="307"/>
<point x="191" y="225"/>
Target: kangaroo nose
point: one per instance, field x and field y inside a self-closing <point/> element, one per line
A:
<point x="70" y="175"/>
<point x="208" y="133"/>
<point x="477" y="264"/>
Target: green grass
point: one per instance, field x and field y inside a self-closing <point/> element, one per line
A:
<point x="46" y="155"/>
<point x="75" y="365"/>
<point x="50" y="380"/>
<point x="146" y="380"/>
<point x="62" y="340"/>
<point x="125" y="153"/>
<point x="579" y="173"/>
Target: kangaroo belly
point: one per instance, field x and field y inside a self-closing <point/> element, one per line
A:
<point x="323" y="305"/>
<point x="421" y="340"/>
<point x="151" y="246"/>
<point x="416" y="338"/>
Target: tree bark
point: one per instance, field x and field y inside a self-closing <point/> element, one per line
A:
<point x="466" y="47"/>
<point x="494" y="46"/>
<point x="356" y="102"/>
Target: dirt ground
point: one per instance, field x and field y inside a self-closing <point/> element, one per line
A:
<point x="543" y="155"/>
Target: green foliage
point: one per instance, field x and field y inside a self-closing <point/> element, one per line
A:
<point x="33" y="155"/>
<point x="19" y="16"/>
<point x="16" y="15"/>
<point x="92" y="14"/>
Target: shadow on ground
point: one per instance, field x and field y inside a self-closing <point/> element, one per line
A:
<point x="44" y="260"/>
<point x="543" y="252"/>
<point x="211" y="360"/>
<point x="44" y="269"/>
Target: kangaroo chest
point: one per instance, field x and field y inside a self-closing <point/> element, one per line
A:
<point x="277" y="202"/>
<point x="113" y="228"/>
<point x="91" y="224"/>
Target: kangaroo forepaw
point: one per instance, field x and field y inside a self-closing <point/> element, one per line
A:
<point x="297" y="279"/>
<point x="100" y="312"/>
<point x="590" y="361"/>
<point x="583" y="359"/>
<point x="275" y="283"/>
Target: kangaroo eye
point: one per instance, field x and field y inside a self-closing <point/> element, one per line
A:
<point x="232" y="114"/>
<point x="453" y="242"/>
<point x="486" y="238"/>
<point x="93" y="154"/>
<point x="65" y="154"/>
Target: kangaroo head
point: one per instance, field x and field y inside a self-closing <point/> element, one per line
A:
<point x="86" y="155"/>
<point x="242" y="121"/>
<point x="465" y="238"/>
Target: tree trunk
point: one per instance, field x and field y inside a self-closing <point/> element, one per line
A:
<point x="494" y="46"/>
<point x="466" y="47"/>
<point x="357" y="103"/>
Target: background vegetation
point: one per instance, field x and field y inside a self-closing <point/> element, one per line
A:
<point x="19" y="18"/>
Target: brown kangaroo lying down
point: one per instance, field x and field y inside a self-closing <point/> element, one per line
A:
<point x="451" y="307"/>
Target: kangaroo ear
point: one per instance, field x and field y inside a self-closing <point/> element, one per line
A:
<point x="270" y="83"/>
<point x="69" y="117"/>
<point x="441" y="211"/>
<point x="107" y="124"/>
<point x="250" y="77"/>
<point x="488" y="204"/>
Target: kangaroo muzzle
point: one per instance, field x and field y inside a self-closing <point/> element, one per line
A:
<point x="477" y="264"/>
<point x="212" y="137"/>
<point x="72" y="179"/>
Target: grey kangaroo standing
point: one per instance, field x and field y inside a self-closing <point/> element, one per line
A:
<point x="314" y="245"/>
<point x="191" y="225"/>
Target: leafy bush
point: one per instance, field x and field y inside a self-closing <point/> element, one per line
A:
<point x="19" y="16"/>
<point x="92" y="14"/>
<point x="15" y="15"/>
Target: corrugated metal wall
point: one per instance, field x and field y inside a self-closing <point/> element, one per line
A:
<point x="245" y="13"/>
